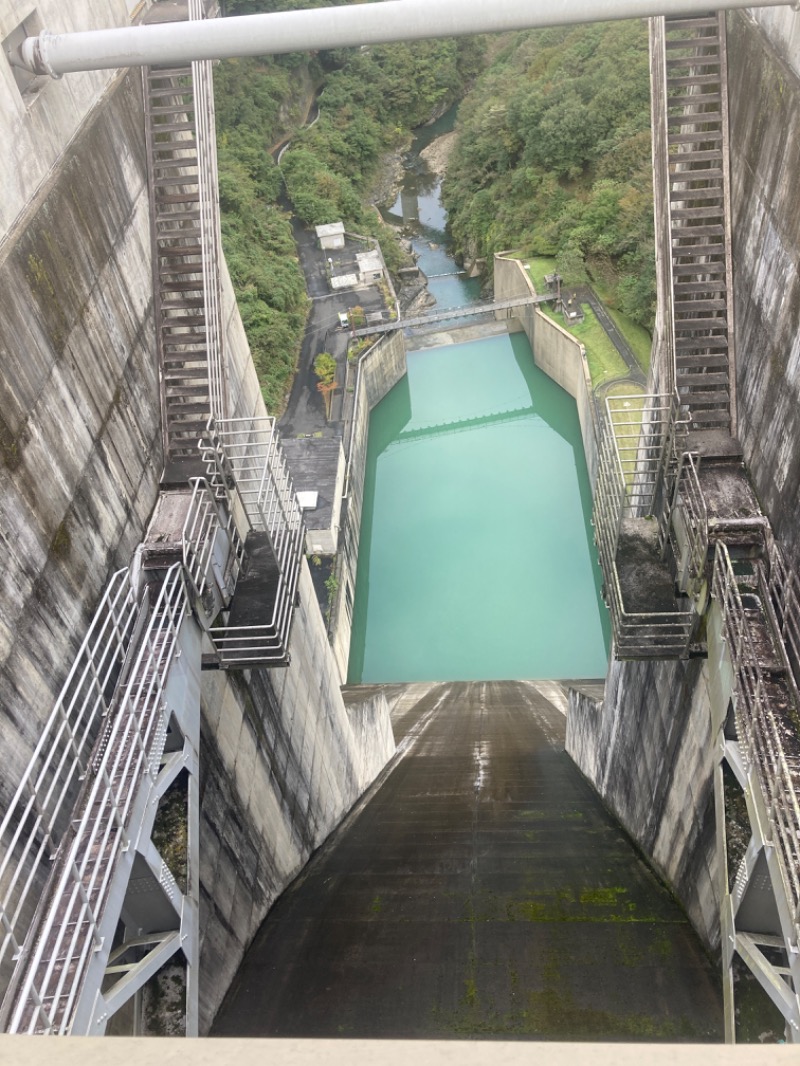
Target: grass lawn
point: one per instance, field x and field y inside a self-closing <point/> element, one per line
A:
<point x="639" y="339"/>
<point x="625" y="388"/>
<point x="537" y="267"/>
<point x="604" y="360"/>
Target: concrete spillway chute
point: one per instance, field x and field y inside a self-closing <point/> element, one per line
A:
<point x="337" y="27"/>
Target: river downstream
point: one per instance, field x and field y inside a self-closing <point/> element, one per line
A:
<point x="476" y="559"/>
<point x="418" y="210"/>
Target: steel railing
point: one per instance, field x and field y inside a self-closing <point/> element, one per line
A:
<point x="39" y="813"/>
<point x="246" y="468"/>
<point x="635" y="459"/>
<point x="783" y="598"/>
<point x="201" y="529"/>
<point x="126" y="756"/>
<point x="762" y="734"/>
<point x="689" y="502"/>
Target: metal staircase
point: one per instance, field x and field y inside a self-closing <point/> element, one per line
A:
<point x="121" y="732"/>
<point x="181" y="327"/>
<point x="182" y="179"/>
<point x="691" y="132"/>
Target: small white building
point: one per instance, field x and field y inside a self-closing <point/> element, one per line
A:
<point x="370" y="266"/>
<point x="344" y="281"/>
<point x="330" y="236"/>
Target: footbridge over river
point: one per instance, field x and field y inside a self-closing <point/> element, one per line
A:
<point x="430" y="318"/>
<point x="89" y="908"/>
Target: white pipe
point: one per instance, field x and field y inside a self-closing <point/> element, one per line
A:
<point x="177" y="43"/>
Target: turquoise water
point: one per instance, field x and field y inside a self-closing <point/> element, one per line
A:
<point x="476" y="559"/>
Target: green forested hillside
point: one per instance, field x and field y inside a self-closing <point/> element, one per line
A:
<point x="253" y="101"/>
<point x="372" y="98"/>
<point x="369" y="100"/>
<point x="553" y="158"/>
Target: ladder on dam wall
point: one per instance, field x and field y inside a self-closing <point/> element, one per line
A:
<point x="692" y="191"/>
<point x="89" y="908"/>
<point x="185" y="233"/>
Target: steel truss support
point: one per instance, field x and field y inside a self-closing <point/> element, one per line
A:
<point x="758" y="919"/>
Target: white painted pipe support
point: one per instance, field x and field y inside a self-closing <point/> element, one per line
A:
<point x="177" y="43"/>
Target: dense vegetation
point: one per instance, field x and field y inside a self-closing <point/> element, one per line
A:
<point x="369" y="101"/>
<point x="256" y="233"/>
<point x="553" y="157"/>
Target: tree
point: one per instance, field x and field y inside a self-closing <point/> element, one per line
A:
<point x="325" y="369"/>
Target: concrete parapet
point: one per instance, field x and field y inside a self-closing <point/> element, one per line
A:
<point x="555" y="351"/>
<point x="379" y="371"/>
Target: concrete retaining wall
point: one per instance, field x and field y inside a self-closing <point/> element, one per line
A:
<point x="379" y="371"/>
<point x="555" y="351"/>
<point x="282" y="760"/>
<point x="647" y="747"/>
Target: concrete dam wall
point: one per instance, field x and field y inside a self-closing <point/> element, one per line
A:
<point x="646" y="747"/>
<point x="282" y="758"/>
<point x="765" y="152"/>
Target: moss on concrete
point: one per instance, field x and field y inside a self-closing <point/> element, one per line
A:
<point x="61" y="542"/>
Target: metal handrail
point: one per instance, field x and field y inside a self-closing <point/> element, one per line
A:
<point x="689" y="500"/>
<point x="760" y="735"/>
<point x="636" y="447"/>
<point x="783" y="596"/>
<point x="247" y="472"/>
<point x="199" y="535"/>
<point x="39" y="812"/>
<point x="126" y="755"/>
<point x="210" y="235"/>
<point x="248" y="449"/>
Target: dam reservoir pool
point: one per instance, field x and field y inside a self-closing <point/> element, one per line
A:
<point x="476" y="559"/>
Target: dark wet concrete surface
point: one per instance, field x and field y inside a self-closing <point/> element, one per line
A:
<point x="480" y="891"/>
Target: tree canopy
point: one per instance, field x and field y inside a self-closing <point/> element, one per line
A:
<point x="553" y="157"/>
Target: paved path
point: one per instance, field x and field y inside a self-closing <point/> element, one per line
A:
<point x="305" y="408"/>
<point x="482" y="890"/>
<point x="588" y="296"/>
